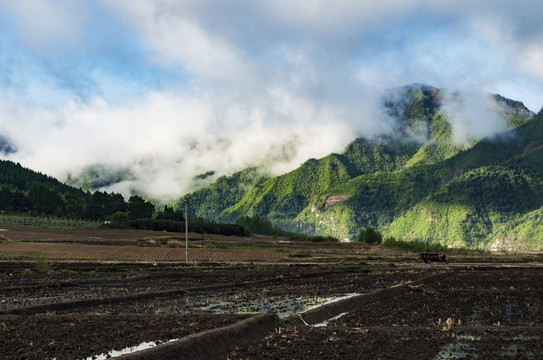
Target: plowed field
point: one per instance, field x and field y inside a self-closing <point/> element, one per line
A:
<point x="491" y="313"/>
<point x="93" y="294"/>
<point x="131" y="253"/>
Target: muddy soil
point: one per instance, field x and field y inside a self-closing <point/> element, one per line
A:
<point x="484" y="312"/>
<point x="85" y="309"/>
<point x="332" y="342"/>
<point x="185" y="289"/>
<point x="479" y="313"/>
<point x="76" y="336"/>
<point x="481" y="305"/>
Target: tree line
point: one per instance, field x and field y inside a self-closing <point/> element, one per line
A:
<point x="41" y="200"/>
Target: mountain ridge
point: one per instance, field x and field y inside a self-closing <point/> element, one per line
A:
<point x="416" y="182"/>
<point x="383" y="181"/>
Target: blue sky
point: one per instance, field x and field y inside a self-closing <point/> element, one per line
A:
<point x="170" y="89"/>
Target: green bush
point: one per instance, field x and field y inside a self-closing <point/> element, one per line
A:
<point x="370" y="236"/>
<point x="416" y="245"/>
<point x="119" y="220"/>
<point x="197" y="227"/>
<point x="43" y="266"/>
<point x="302" y="237"/>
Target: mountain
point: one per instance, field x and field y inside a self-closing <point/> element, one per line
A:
<point x="24" y="191"/>
<point x="14" y="176"/>
<point x="417" y="182"/>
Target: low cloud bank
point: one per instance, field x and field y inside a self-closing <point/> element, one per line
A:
<point x="159" y="144"/>
<point x="150" y="94"/>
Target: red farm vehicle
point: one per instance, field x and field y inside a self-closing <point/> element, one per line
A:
<point x="429" y="257"/>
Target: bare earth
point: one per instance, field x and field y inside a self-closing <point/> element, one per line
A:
<point x="75" y="294"/>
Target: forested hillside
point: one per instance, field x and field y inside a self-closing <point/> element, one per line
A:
<point x="417" y="182"/>
<point x="24" y="191"/>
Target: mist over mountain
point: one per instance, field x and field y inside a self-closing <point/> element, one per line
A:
<point x="163" y="98"/>
<point x="417" y="180"/>
<point x="165" y="174"/>
<point x="457" y="171"/>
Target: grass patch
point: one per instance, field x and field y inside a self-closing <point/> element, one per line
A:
<point x="43" y="266"/>
<point x="282" y="250"/>
<point x="247" y="248"/>
<point x="69" y="272"/>
<point x="217" y="246"/>
<point x="229" y="247"/>
<point x="27" y="272"/>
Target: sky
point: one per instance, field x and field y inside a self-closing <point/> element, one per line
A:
<point x="160" y="91"/>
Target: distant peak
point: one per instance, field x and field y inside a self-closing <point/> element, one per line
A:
<point x="517" y="107"/>
<point x="411" y="87"/>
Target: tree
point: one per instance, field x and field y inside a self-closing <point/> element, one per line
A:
<point x="19" y="202"/>
<point x="370" y="236"/>
<point x="46" y="201"/>
<point x="168" y="213"/>
<point x="95" y="208"/>
<point x="6" y="197"/>
<point x="256" y="225"/>
<point x="138" y="208"/>
<point x="76" y="206"/>
<point x="119" y="220"/>
<point x="115" y="204"/>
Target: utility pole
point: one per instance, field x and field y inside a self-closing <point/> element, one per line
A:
<point x="186" y="233"/>
<point x="426" y="238"/>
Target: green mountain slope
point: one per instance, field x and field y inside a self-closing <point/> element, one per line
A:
<point x="414" y="184"/>
<point x="223" y="193"/>
<point x="27" y="192"/>
<point x="13" y="176"/>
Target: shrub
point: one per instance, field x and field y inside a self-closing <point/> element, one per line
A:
<point x="370" y="236"/>
<point x="416" y="245"/>
<point x="302" y="237"/>
<point x="197" y="227"/>
<point x="119" y="220"/>
<point x="43" y="266"/>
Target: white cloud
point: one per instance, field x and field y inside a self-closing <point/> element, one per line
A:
<point x="272" y="82"/>
<point x="471" y="116"/>
<point x="165" y="139"/>
<point x="44" y="23"/>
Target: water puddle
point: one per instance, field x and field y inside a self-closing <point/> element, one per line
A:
<point x="325" y="322"/>
<point x="516" y="350"/>
<point x="228" y="305"/>
<point x="330" y="301"/>
<point x="462" y="349"/>
<point x="458" y="350"/>
<point x="282" y="307"/>
<point x="128" y="350"/>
